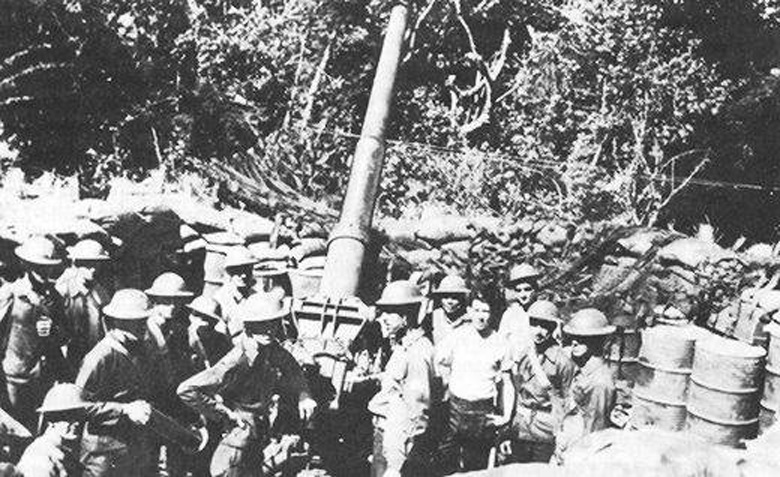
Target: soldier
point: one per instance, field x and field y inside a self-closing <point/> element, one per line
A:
<point x="401" y="406"/>
<point x="521" y="290"/>
<point x="83" y="288"/>
<point x="475" y="364"/>
<point x="255" y="389"/>
<point x="168" y="326"/>
<point x="56" y="452"/>
<point x="37" y="328"/>
<point x="452" y="294"/>
<point x="207" y="344"/>
<point x="238" y="286"/>
<point x="592" y="394"/>
<point x="119" y="377"/>
<point x="543" y="374"/>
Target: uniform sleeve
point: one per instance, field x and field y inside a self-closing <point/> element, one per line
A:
<point x="200" y="391"/>
<point x="92" y="372"/>
<point x="602" y="399"/>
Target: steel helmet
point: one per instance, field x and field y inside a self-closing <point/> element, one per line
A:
<point x="128" y="304"/>
<point x="588" y="322"/>
<point x="263" y="307"/>
<point x="39" y="251"/>
<point x="169" y="285"/>
<point x="523" y="272"/>
<point x="400" y="292"/>
<point x="63" y="397"/>
<point x="206" y="307"/>
<point x="239" y="256"/>
<point x="544" y="310"/>
<point x="88" y="249"/>
<point x="452" y="285"/>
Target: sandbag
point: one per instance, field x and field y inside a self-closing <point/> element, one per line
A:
<point x="446" y="228"/>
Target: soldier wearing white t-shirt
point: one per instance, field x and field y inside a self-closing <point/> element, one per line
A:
<point x="522" y="287"/>
<point x="473" y="360"/>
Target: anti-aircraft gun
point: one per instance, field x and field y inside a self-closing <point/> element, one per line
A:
<point x="330" y="320"/>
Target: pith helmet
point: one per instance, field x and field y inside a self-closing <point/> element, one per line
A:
<point x="39" y="251"/>
<point x="452" y="285"/>
<point x="544" y="310"/>
<point x="400" y="292"/>
<point x="588" y="322"/>
<point x="206" y="307"/>
<point x="239" y="256"/>
<point x="128" y="304"/>
<point x="523" y="272"/>
<point x="263" y="307"/>
<point x="63" y="397"/>
<point x="169" y="285"/>
<point x="88" y="249"/>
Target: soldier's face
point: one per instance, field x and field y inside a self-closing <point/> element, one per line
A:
<point x="479" y="314"/>
<point x="241" y="277"/>
<point x="540" y="331"/>
<point x="452" y="304"/>
<point x="69" y="432"/>
<point x="522" y="293"/>
<point x="392" y="322"/>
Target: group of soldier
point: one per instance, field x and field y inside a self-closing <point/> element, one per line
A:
<point x="92" y="372"/>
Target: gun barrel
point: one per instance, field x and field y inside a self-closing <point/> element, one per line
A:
<point x="346" y="250"/>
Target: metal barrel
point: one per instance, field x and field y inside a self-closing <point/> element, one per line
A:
<point x="669" y="347"/>
<point x="724" y="391"/>
<point x="661" y="386"/>
<point x="766" y="416"/>
<point x="347" y="245"/>
<point x="172" y="432"/>
<point x="622" y="354"/>
<point x="770" y="400"/>
<point x="773" y="345"/>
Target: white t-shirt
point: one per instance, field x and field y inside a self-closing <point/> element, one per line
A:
<point x="515" y="327"/>
<point x="474" y="363"/>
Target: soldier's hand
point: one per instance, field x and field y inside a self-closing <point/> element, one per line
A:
<point x="306" y="408"/>
<point x="497" y="420"/>
<point x="138" y="412"/>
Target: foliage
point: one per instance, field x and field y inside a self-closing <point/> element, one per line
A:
<point x="572" y="109"/>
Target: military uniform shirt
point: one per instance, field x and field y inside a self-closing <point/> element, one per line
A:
<point x="540" y="400"/>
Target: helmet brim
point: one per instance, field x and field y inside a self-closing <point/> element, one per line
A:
<point x="603" y="331"/>
<point x="450" y="291"/>
<point x="111" y="312"/>
<point x="272" y="317"/>
<point x="25" y="256"/>
<point x="410" y="302"/>
<point x="166" y="294"/>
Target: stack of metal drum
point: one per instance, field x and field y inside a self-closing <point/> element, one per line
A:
<point x="690" y="379"/>
<point x="725" y="389"/>
<point x="661" y="387"/>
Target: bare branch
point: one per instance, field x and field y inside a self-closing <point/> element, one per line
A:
<point x="315" y="85"/>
